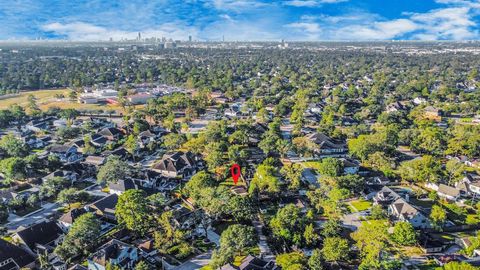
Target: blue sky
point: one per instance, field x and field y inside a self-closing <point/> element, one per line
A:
<point x="241" y="19"/>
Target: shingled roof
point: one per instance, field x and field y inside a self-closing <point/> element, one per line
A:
<point x="174" y="162"/>
<point x="12" y="256"/>
<point x="41" y="233"/>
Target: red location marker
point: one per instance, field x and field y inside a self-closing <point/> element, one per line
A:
<point x="235" y="170"/>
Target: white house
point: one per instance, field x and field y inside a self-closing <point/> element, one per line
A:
<point x="403" y="211"/>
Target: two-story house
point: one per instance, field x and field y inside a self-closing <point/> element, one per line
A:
<point x="114" y="253"/>
<point x="326" y="146"/>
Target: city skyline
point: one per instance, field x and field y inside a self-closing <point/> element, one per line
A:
<point x="241" y="20"/>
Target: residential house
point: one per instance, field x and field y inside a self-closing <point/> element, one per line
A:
<point x="38" y="125"/>
<point x="66" y="153"/>
<point x="403" y="211"/>
<point x="184" y="218"/>
<point x="349" y="166"/>
<point x="115" y="253"/>
<point x="98" y="140"/>
<point x="68" y="175"/>
<point x="386" y="196"/>
<point x="433" y="113"/>
<point x="178" y="164"/>
<point x="95" y="160"/>
<point x="40" y="237"/>
<point x="447" y="192"/>
<point x="419" y="101"/>
<point x="430" y="244"/>
<point x="327" y="147"/>
<point x="111" y="133"/>
<point x="6" y="195"/>
<point x="67" y="219"/>
<point x="13" y="257"/>
<point x="147" y="137"/>
<point x="252" y="263"/>
<point x="120" y="152"/>
<point x="79" y="143"/>
<point x="105" y="207"/>
<point x="121" y="186"/>
<point x="233" y="111"/>
<point x="395" y="107"/>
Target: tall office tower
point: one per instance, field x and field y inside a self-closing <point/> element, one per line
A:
<point x="189" y="38"/>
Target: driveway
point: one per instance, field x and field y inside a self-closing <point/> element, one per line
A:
<point x="353" y="220"/>
<point x="47" y="210"/>
<point x="96" y="191"/>
<point x="265" y="251"/>
<point x="202" y="259"/>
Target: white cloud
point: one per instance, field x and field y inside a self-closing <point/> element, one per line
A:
<point x="454" y="22"/>
<point x="237" y="5"/>
<point x="311" y="3"/>
<point x="449" y="23"/>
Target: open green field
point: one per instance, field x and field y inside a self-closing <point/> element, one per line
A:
<point x="46" y="99"/>
<point x="359" y="205"/>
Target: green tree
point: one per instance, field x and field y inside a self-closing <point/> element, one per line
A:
<point x="142" y="265"/>
<point x="197" y="183"/>
<point x="67" y="196"/>
<point x="381" y="162"/>
<point x="81" y="237"/>
<point x="242" y="208"/>
<point x="425" y="169"/>
<point x="173" y="141"/>
<point x="32" y="105"/>
<point x="335" y="249"/>
<point x="455" y="170"/>
<point x="404" y="234"/>
<point x="236" y="239"/>
<point x="315" y="262"/>
<point x="371" y="238"/>
<point x="331" y="228"/>
<point x="330" y="167"/>
<point x="459" y="266"/>
<point x="438" y="216"/>
<point x="113" y="170"/>
<point x="310" y="236"/>
<point x="168" y="233"/>
<point x="132" y="210"/>
<point x="131" y="145"/>
<point x="291" y="261"/>
<point x="264" y="179"/>
<point x="288" y="224"/>
<point x="293" y="173"/>
<point x="12" y="146"/>
<point x="377" y="212"/>
<point x="13" y="168"/>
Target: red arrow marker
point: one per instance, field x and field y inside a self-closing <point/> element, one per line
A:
<point x="235" y="170"/>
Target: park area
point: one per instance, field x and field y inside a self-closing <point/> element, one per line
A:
<point x="47" y="98"/>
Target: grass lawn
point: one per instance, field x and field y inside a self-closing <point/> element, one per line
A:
<point x="411" y="251"/>
<point x="45" y="99"/>
<point x="311" y="164"/>
<point x="8" y="238"/>
<point x="359" y="205"/>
